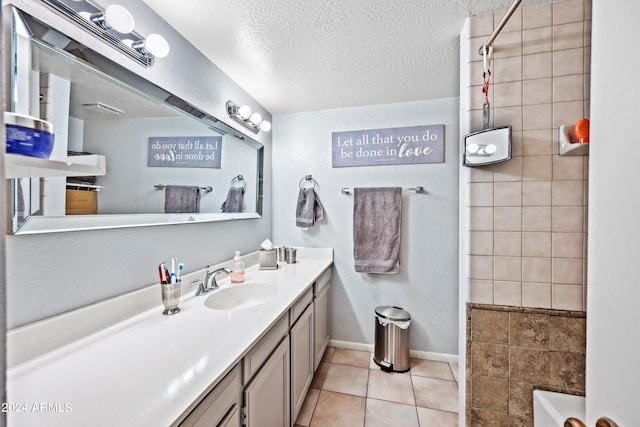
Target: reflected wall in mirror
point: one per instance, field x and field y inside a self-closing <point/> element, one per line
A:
<point x="99" y="107"/>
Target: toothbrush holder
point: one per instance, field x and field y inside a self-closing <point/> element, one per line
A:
<point x="171" y="298"/>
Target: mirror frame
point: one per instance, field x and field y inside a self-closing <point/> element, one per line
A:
<point x="41" y="224"/>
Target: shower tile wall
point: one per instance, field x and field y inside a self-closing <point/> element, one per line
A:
<point x="527" y="218"/>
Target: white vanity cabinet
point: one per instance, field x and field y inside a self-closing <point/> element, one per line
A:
<point x="321" y="317"/>
<point x="301" y="336"/>
<point x="222" y="407"/>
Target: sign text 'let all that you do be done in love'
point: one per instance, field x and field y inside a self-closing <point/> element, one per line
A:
<point x="393" y="146"/>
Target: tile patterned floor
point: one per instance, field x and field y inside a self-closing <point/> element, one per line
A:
<point x="350" y="390"/>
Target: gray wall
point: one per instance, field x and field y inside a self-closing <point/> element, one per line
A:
<point x="427" y="284"/>
<point x="51" y="274"/>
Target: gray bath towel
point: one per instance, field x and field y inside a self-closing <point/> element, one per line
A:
<point x="377" y="214"/>
<point x="309" y="210"/>
<point x="181" y="199"/>
<point x="235" y="196"/>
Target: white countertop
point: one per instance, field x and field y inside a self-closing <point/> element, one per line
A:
<point x="149" y="369"/>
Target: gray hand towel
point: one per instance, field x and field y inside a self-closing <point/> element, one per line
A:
<point x="235" y="197"/>
<point x="309" y="210"/>
<point x="181" y="199"/>
<point x="377" y="214"/>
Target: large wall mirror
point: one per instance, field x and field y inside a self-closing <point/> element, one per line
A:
<point x="157" y="147"/>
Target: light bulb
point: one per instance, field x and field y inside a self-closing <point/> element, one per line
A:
<point x="490" y="149"/>
<point x="255" y="118"/>
<point x="472" y="148"/>
<point x="244" y="112"/>
<point x="265" y="126"/>
<point x="115" y="17"/>
<point x="156" y="45"/>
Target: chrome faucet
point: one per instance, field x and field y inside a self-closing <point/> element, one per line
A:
<point x="210" y="283"/>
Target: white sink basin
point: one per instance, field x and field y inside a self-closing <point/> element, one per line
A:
<point x="241" y="296"/>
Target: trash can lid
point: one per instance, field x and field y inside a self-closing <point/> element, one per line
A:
<point x="392" y="313"/>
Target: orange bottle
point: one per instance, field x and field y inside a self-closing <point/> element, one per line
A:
<point x="581" y="130"/>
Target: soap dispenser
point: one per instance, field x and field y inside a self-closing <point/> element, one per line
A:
<point x="237" y="271"/>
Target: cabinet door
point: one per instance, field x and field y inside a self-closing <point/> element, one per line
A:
<point x="221" y="407"/>
<point x="301" y="359"/>
<point x="321" y="326"/>
<point x="266" y="398"/>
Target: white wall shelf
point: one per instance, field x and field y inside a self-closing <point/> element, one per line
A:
<point x="568" y="143"/>
<point x="18" y="166"/>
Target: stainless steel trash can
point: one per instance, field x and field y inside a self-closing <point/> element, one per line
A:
<point x="391" y="347"/>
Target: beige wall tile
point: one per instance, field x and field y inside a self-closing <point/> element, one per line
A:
<point x="567" y="113"/>
<point x="537" y="66"/>
<point x="568" y="11"/>
<point x="529" y="330"/>
<point x="481" y="194"/>
<point x="537" y="91"/>
<point x="507" y="193"/>
<point x="536" y="295"/>
<point x="481" y="267"/>
<point x="489" y="360"/>
<point x="568" y="334"/>
<point x="567" y="219"/>
<point x="567" y="193"/>
<point x="507" y="218"/>
<point x="529" y="365"/>
<point x="481" y="291"/>
<point x="514" y="23"/>
<point x="507" y="94"/>
<point x="536" y="116"/>
<point x="516" y="143"/>
<point x="536" y="244"/>
<point x="567" y="271"/>
<point x="537" y="218"/>
<point x="481" y="243"/>
<point x="587" y="33"/>
<point x="480" y="219"/>
<point x="520" y="400"/>
<point x="568" y="62"/>
<point x="536" y="270"/>
<point x="567" y="370"/>
<point x="568" y="167"/>
<point x="537" y="142"/>
<point x="480" y="175"/>
<point x="567" y="297"/>
<point x="536" y="193"/>
<point x="537" y="40"/>
<point x="537" y="168"/>
<point x="491" y="394"/>
<point x="511" y="116"/>
<point x="478" y="417"/>
<point x="509" y="69"/>
<point x="587" y="60"/>
<point x="568" y="36"/>
<point x="480" y="26"/>
<point x="507" y="268"/>
<point x="568" y="88"/>
<point x="507" y="243"/>
<point x="507" y="293"/>
<point x="490" y="326"/>
<point x="567" y="245"/>
<point x="536" y="16"/>
<point x="474" y="44"/>
<point x="508" y="44"/>
<point x="507" y="171"/>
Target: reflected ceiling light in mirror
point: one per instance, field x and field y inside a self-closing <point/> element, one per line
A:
<point x="114" y="17"/>
<point x="244" y="115"/>
<point x="154" y="44"/>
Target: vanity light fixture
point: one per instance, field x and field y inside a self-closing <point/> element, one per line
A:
<point x="245" y="116"/>
<point x="114" y="17"/>
<point x="113" y="25"/>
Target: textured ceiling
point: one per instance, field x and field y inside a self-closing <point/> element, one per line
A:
<point x="295" y="56"/>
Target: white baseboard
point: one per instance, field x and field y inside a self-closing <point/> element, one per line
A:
<point x="441" y="357"/>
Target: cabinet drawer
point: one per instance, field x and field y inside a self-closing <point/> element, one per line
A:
<point x="260" y="352"/>
<point x="299" y="306"/>
<point x="221" y="406"/>
<point x="323" y="281"/>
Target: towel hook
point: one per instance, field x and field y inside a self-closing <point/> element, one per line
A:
<point x="307" y="179"/>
